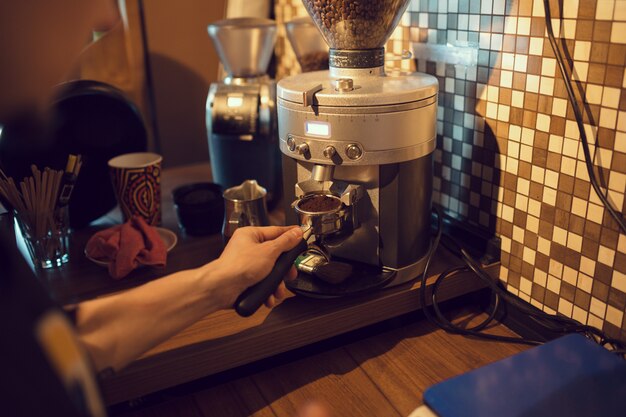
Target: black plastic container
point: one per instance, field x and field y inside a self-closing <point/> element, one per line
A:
<point x="200" y="208"/>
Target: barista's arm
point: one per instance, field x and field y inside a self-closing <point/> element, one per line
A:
<point x="119" y="328"/>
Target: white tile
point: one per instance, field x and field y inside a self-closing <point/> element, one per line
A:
<point x="543" y="122"/>
<point x="559" y="235"/>
<point x="536" y="46"/>
<point x="614" y="316"/>
<point x="540" y="277"/>
<point x="610" y="97"/>
<point x="619" y="281"/>
<point x="532" y="83"/>
<point x="604" y="9"/>
<point x="621" y="244"/>
<point x="570" y="9"/>
<point x="534" y="207"/>
<point x="496" y="42"/>
<point x="503" y="112"/>
<point x="580" y="70"/>
<point x="585" y="282"/>
<point x="565" y="307"/>
<point x="579" y="207"/>
<point x="582" y="49"/>
<point x="595" y="213"/>
<point x="587" y="265"/>
<point x="528" y="136"/>
<point x="538" y="11"/>
<point x="547" y="86"/>
<point x="532" y="223"/>
<point x="574" y="241"/>
<point x="506" y="79"/>
<point x="568" y="166"/>
<point x="570" y="147"/>
<point x="569" y="28"/>
<point x="526" y="153"/>
<point x="554" y="284"/>
<point x="537" y="174"/>
<point x="559" y="107"/>
<point x="498" y="7"/>
<point x="571" y="129"/>
<point x="508" y="61"/>
<point x="525" y="285"/>
<point x="549" y="196"/>
<point x="551" y="178"/>
<point x="619" y="13"/>
<point x="617" y="181"/>
<point x="606" y="255"/>
<point x="597" y="307"/>
<point x="579" y="315"/>
<point x="518" y="234"/>
<point x="608" y="118"/>
<point x="543" y="246"/>
<point x="595" y="321"/>
<point x="510" y="25"/>
<point x="521" y="62"/>
<point x="593" y="93"/>
<point x="523" y="26"/>
<point x="548" y="67"/>
<point x="618" y="32"/>
<point x="517" y="98"/>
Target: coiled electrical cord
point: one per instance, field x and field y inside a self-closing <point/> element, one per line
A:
<point x="500" y="296"/>
<point x="579" y="122"/>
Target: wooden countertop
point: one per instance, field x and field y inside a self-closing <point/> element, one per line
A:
<point x="383" y="375"/>
<point x="224" y="340"/>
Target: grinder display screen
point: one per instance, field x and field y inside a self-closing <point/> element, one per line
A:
<point x="321" y="129"/>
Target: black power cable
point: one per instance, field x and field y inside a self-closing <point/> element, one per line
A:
<point x="579" y="121"/>
<point x="500" y="296"/>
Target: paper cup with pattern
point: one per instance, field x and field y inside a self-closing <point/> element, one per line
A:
<point x="137" y="181"/>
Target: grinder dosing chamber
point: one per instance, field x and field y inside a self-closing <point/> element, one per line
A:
<point x="365" y="138"/>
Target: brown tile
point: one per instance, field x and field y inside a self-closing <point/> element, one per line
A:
<point x="611" y="331"/>
<point x="541" y="140"/>
<point x="620" y="262"/>
<point x="590" y="248"/>
<point x="557" y="124"/>
<point x="547" y="213"/>
<point x="564" y="201"/>
<point x="600" y="290"/>
<point x="517" y="250"/>
<point x="519" y="81"/>
<point x="566" y="183"/>
<point x="561" y="216"/>
<point x="568" y="291"/>
<point x="576" y="224"/>
<point x="587" y="9"/>
<point x="545" y="229"/>
<point x="606" y="137"/>
<point x="515" y="265"/>
<point x="508" y="43"/>
<point x="602" y="31"/>
<point x="509" y="197"/>
<point x="537" y="25"/>
<point x="530" y="119"/>
<point x="530" y="101"/>
<point x="509" y="181"/>
<point x="592" y="231"/>
<point x="584" y="30"/>
<point x="617" y="54"/>
<point x="505" y="228"/>
<point x="524" y="170"/>
<point x="519" y="220"/>
<point x="544" y="104"/>
<point x="516" y="115"/>
<point x="603" y="273"/>
<point x="542" y="262"/>
<point x="619" y="162"/>
<point x="534" y="65"/>
<point x="514" y="278"/>
<point x="581" y="188"/>
<point x="505" y="96"/>
<point x="596" y="73"/>
<point x="617" y="299"/>
<point x="559" y="88"/>
<point x="582" y="299"/>
<point x="553" y="161"/>
<point x="530" y="240"/>
<point x="536" y="191"/>
<point x="599" y="50"/>
<point x="551" y="300"/>
<point x="609" y="238"/>
<point x="537" y="292"/>
<point x="521" y="44"/>
<point x="613" y="77"/>
<point x="540" y="157"/>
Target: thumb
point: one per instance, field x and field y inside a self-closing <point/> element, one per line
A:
<point x="286" y="241"/>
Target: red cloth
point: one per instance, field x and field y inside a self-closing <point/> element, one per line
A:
<point x="127" y="246"/>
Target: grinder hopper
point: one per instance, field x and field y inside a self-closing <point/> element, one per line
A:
<point x="244" y="45"/>
<point x="356" y="24"/>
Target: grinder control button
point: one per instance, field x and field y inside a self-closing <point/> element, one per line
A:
<point x="353" y="151"/>
<point x="329" y="152"/>
<point x="291" y="143"/>
<point x="302" y="149"/>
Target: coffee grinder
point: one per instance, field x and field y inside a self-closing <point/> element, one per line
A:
<point x="357" y="148"/>
<point x="241" y="108"/>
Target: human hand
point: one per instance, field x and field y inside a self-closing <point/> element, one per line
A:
<point x="250" y="256"/>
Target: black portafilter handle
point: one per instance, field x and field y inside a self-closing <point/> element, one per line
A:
<point x="251" y="299"/>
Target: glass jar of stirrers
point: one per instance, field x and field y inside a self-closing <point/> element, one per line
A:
<point x="40" y="209"/>
<point x="48" y="242"/>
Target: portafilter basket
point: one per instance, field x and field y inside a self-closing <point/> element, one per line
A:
<point x="324" y="213"/>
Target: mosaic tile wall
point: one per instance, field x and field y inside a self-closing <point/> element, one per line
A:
<point x="508" y="155"/>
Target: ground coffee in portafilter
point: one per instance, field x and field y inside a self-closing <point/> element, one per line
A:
<point x="354" y="24"/>
<point x="319" y="203"/>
